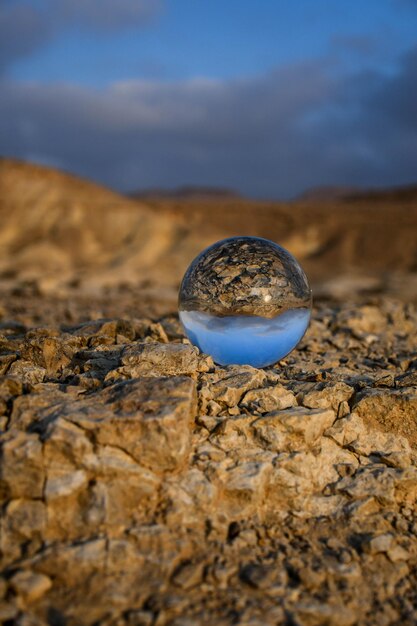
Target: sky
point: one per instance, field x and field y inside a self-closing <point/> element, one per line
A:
<point x="269" y="98"/>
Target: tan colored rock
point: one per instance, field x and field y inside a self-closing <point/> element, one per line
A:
<point x="29" y="374"/>
<point x="123" y="492"/>
<point x="10" y="387"/>
<point x="398" y="553"/>
<point x="159" y="359"/>
<point x="327" y="396"/>
<point x="292" y="429"/>
<point x="66" y="445"/>
<point x="65" y="484"/>
<point x="268" y="399"/>
<point x="227" y="385"/>
<point x="386" y="484"/>
<point x="358" y="434"/>
<point x="390" y="410"/>
<point x="22" y="529"/>
<point x="30" y="586"/>
<point x="151" y="507"/>
<point x="234" y="434"/>
<point x="25" y="518"/>
<point x="300" y="480"/>
<point x="22" y="473"/>
<point x="244" y="485"/>
<point x="5" y="361"/>
<point x="188" y="575"/>
<point x="320" y="614"/>
<point x="8" y="611"/>
<point x="191" y="499"/>
<point x="380" y="543"/>
<point x="150" y="419"/>
<point x="45" y="346"/>
<point x="365" y="320"/>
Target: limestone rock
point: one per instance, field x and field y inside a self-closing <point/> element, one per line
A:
<point x="268" y="399"/>
<point x="22" y="472"/>
<point x="30" y="586"/>
<point x="327" y="396"/>
<point x="227" y="385"/>
<point x="157" y="359"/>
<point x="293" y="429"/>
<point x="150" y="419"/>
<point x="391" y="410"/>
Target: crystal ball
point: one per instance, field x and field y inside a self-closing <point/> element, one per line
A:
<point x="245" y="301"/>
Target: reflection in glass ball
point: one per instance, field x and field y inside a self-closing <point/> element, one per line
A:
<point x="245" y="300"/>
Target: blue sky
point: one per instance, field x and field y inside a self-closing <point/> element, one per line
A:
<point x="266" y="97"/>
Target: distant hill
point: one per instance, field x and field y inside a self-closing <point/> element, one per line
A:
<point x="186" y="192"/>
<point x="64" y="229"/>
<point x="59" y="230"/>
<point x="407" y="193"/>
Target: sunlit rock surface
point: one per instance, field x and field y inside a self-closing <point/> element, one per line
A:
<point x="142" y="484"/>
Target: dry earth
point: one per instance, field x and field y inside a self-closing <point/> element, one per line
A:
<point x="142" y="485"/>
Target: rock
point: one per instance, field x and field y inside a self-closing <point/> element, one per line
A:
<point x="244" y="485"/>
<point x="188" y="575"/>
<point x="150" y="419"/>
<point x="358" y="434"/>
<point x="390" y="410"/>
<point x="327" y="396"/>
<point x="158" y="359"/>
<point x="5" y="362"/>
<point x="318" y="614"/>
<point x="228" y="385"/>
<point x="398" y="553"/>
<point x="268" y="399"/>
<point x="8" y="612"/>
<point x="22" y="472"/>
<point x="293" y="429"/>
<point x="257" y="576"/>
<point x="300" y="479"/>
<point x="379" y="482"/>
<point x="233" y="433"/>
<point x="50" y="349"/>
<point x="380" y="543"/>
<point x="365" y="320"/>
<point x="30" y="586"/>
<point x="25" y="519"/>
<point x="10" y="388"/>
<point x="29" y="374"/>
<point x="67" y="484"/>
<point x="191" y="499"/>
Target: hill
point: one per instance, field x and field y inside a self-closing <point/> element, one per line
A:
<point x="60" y="231"/>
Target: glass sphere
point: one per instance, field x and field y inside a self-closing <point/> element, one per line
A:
<point x="245" y="301"/>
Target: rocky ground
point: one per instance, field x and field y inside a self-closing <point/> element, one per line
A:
<point x="142" y="485"/>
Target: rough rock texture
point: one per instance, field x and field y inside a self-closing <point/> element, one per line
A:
<point x="142" y="485"/>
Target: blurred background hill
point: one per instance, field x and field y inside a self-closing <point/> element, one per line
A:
<point x="63" y="234"/>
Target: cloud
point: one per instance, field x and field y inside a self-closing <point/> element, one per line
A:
<point x="108" y="15"/>
<point x="27" y="25"/>
<point x="22" y="30"/>
<point x="268" y="136"/>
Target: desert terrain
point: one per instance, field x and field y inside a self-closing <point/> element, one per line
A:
<point x="140" y="483"/>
